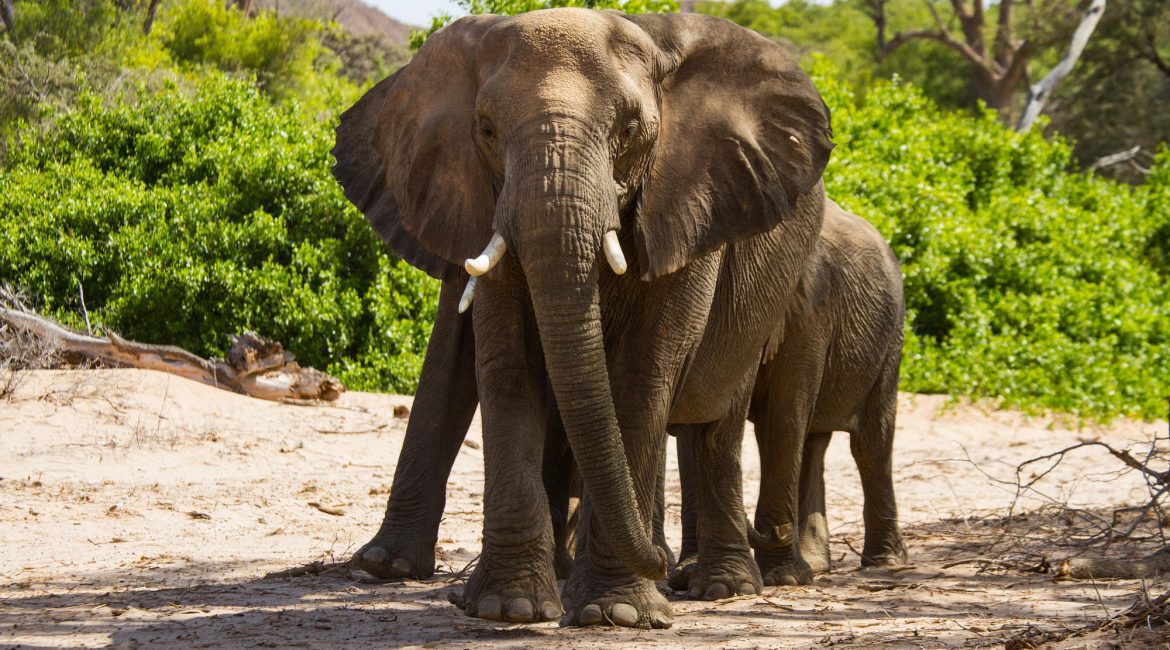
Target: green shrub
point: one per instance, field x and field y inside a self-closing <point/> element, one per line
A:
<point x="1024" y="280"/>
<point x="191" y="215"/>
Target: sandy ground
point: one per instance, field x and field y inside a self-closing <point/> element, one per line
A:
<point x="142" y="510"/>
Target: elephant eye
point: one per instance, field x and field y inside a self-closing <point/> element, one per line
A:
<point x="631" y="129"/>
<point x="486" y="129"/>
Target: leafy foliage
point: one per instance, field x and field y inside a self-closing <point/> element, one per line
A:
<point x="183" y="180"/>
<point x="1024" y="280"/>
<point x="193" y="214"/>
<point x="845" y="34"/>
<point x="513" y="7"/>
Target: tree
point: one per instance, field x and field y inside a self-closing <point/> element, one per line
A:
<point x="148" y="24"/>
<point x="7" y="14"/>
<point x="1001" y="66"/>
<point x="1116" y="100"/>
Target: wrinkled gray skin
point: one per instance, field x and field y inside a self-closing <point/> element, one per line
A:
<point x="835" y="368"/>
<point x="699" y="142"/>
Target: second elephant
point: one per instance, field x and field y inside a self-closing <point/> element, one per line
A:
<point x="833" y="366"/>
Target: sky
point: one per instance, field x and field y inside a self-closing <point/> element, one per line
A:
<point x="419" y="12"/>
<point x="415" y="12"/>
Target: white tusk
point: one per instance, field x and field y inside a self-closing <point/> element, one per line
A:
<point x="490" y="257"/>
<point x="794" y="139"/>
<point x="613" y="252"/>
<point x="468" y="295"/>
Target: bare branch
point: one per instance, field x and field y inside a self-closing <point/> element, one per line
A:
<point x="1113" y="159"/>
<point x="902" y="38"/>
<point x="1004" y="37"/>
<point x="1039" y="93"/>
<point x="1153" y="55"/>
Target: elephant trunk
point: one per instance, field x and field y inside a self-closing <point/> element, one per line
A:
<point x="560" y="257"/>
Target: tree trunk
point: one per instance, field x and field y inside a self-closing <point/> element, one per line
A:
<point x="7" y="14"/>
<point x="1039" y="93"/>
<point x="150" y="13"/>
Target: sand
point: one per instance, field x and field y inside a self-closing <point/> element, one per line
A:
<point x="143" y="510"/>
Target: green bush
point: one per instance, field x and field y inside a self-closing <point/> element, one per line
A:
<point x="1024" y="280"/>
<point x="196" y="201"/>
<point x="191" y="215"/>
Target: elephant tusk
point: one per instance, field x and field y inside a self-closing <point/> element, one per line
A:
<point x="490" y="257"/>
<point x="468" y="295"/>
<point x="613" y="252"/>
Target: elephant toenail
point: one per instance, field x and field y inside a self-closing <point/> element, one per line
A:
<point x="660" y="621"/>
<point x="591" y="614"/>
<point x="717" y="591"/>
<point x="490" y="608"/>
<point x="520" y="610"/>
<point x="549" y="611"/>
<point x="375" y="555"/>
<point x="401" y="565"/>
<point x="747" y="589"/>
<point x="788" y="581"/>
<point x="624" y="614"/>
<point x="769" y="581"/>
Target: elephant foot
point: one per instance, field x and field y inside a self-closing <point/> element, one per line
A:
<point x="817" y="561"/>
<point x="890" y="552"/>
<point x="627" y="601"/>
<point x="786" y="568"/>
<point x="399" y="555"/>
<point x="732" y="574"/>
<point x="515" y="596"/>
<point x="680" y="577"/>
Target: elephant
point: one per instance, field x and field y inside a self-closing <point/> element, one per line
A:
<point x="832" y="365"/>
<point x="444" y="404"/>
<point x="562" y="138"/>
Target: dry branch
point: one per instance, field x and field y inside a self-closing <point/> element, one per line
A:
<point x="255" y="366"/>
<point x="1039" y="93"/>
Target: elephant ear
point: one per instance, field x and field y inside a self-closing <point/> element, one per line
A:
<point x="406" y="157"/>
<point x="743" y="133"/>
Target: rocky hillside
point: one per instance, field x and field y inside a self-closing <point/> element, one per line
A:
<point x="356" y="17"/>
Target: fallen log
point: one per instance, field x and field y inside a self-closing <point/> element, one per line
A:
<point x="255" y="366"/>
<point x="1150" y="566"/>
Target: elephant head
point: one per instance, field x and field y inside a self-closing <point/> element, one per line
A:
<point x="543" y="135"/>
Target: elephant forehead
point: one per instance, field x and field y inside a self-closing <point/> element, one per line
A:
<point x="566" y="38"/>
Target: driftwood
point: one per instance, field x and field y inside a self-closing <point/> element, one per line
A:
<point x="255" y="366"/>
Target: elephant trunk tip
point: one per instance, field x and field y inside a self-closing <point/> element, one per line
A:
<point x="656" y="566"/>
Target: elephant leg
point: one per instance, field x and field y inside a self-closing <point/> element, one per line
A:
<point x="725" y="564"/>
<point x="781" y="429"/>
<point x="814" y="526"/>
<point x="444" y="404"/>
<point x="601" y="589"/>
<point x="514" y="579"/>
<point x="557" y="473"/>
<point x="680" y="577"/>
<point x="872" y="447"/>
<point x="659" y="536"/>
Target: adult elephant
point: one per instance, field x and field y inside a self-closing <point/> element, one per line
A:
<point x="550" y="136"/>
<point x="832" y="365"/>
